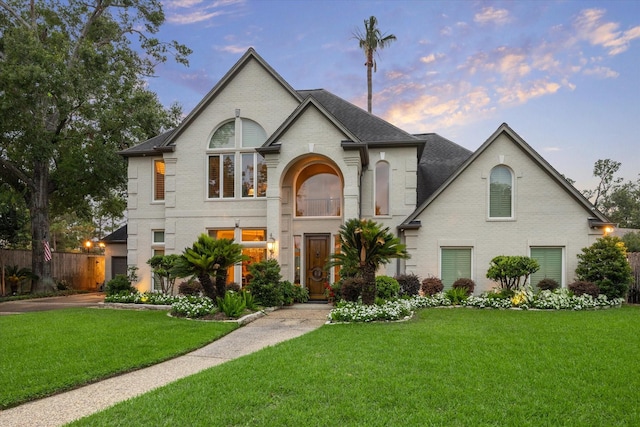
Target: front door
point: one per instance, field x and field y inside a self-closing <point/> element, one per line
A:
<point x="317" y="255"/>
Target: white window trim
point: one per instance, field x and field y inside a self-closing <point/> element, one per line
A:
<point x="471" y="255"/>
<point x="563" y="283"/>
<point x="153" y="185"/>
<point x="513" y="195"/>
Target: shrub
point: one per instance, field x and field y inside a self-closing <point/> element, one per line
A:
<point x="582" y="287"/>
<point x="632" y="241"/>
<point x="431" y="286"/>
<point x="387" y="287"/>
<point x="351" y="289"/>
<point x="63" y="285"/>
<point x="409" y="284"/>
<point x="119" y="284"/>
<point x="605" y="264"/>
<point x="300" y="294"/>
<point x="233" y="286"/>
<point x="457" y="295"/>
<point x="467" y="284"/>
<point x="233" y="304"/>
<point x="548" y="285"/>
<point x="249" y="300"/>
<point x="191" y="287"/>
<point x="265" y="285"/>
<point x="288" y="292"/>
<point x="511" y="271"/>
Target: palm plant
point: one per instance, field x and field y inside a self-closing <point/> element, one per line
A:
<point x="206" y="258"/>
<point x="365" y="246"/>
<point x="370" y="40"/>
<point x="14" y="275"/>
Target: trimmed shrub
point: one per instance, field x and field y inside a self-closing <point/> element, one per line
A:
<point x="232" y="305"/>
<point x="581" y="287"/>
<point x="300" y="294"/>
<point x="387" y="287"/>
<point x="431" y="286"/>
<point x="464" y="283"/>
<point x="605" y="264"/>
<point x="409" y="284"/>
<point x="119" y="284"/>
<point x="351" y="288"/>
<point x="265" y="285"/>
<point x="548" y="285"/>
<point x="288" y="292"/>
<point x="191" y="287"/>
<point x="457" y="295"/>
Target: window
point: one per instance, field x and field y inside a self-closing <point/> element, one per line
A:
<point x="501" y="193"/>
<point x="158" y="180"/>
<point x="318" y="191"/>
<point x="382" y="188"/>
<point x="158" y="237"/>
<point x="236" y="141"/>
<point x="254" y="247"/>
<point x="455" y="263"/>
<point x="550" y="260"/>
<point x="157" y="248"/>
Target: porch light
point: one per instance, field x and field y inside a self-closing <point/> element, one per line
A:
<point x="607" y="230"/>
<point x="271" y="243"/>
<point x="87" y="245"/>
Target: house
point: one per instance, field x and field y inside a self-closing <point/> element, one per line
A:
<point x="279" y="170"/>
<point x="115" y="253"/>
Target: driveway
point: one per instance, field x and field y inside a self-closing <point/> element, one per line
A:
<point x="53" y="303"/>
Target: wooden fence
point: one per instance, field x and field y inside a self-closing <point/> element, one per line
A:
<point x="81" y="271"/>
<point x="634" y="289"/>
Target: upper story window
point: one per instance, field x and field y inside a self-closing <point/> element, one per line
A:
<point x="501" y="193"/>
<point x="235" y="169"/>
<point x="318" y="191"/>
<point x="382" y="188"/>
<point x="158" y="180"/>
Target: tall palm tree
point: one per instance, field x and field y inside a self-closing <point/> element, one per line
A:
<point x="365" y="246"/>
<point x="370" y="40"/>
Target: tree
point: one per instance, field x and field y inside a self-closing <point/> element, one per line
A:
<point x="209" y="257"/>
<point x="632" y="241"/>
<point x="511" y="271"/>
<point x="365" y="245"/>
<point x="14" y="219"/>
<point x="623" y="207"/>
<point x="73" y="96"/>
<point x="605" y="171"/>
<point x="162" y="267"/>
<point x="605" y="264"/>
<point x="370" y="40"/>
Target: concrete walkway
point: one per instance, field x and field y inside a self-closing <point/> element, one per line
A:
<point x="52" y="303"/>
<point x="275" y="327"/>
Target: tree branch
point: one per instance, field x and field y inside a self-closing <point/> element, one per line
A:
<point x="14" y="176"/>
<point x="15" y="14"/>
<point x="97" y="12"/>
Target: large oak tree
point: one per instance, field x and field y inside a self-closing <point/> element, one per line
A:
<point x="72" y="96"/>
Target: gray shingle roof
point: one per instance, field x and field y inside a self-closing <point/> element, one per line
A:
<point x="440" y="158"/>
<point x="367" y="127"/>
<point x="118" y="236"/>
<point x="148" y="147"/>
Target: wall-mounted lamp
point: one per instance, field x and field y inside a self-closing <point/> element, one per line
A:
<point x="87" y="245"/>
<point x="237" y="112"/>
<point x="271" y="244"/>
<point x="607" y="230"/>
<point x="237" y="222"/>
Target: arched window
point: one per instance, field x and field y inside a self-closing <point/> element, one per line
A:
<point x="382" y="188"/>
<point x="234" y="165"/>
<point x="318" y="191"/>
<point x="501" y="193"/>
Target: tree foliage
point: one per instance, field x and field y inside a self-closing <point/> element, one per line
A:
<point x="632" y="241"/>
<point x="73" y="96"/>
<point x="605" y="264"/>
<point x="162" y="267"/>
<point x="366" y="245"/>
<point x="370" y="41"/>
<point x="512" y="271"/>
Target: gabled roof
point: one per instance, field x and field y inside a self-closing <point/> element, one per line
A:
<point x="118" y="236"/>
<point x="365" y="126"/>
<point x="439" y="159"/>
<point x="541" y="162"/>
<point x="169" y="138"/>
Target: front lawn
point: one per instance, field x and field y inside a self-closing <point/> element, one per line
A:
<point x="46" y="352"/>
<point x="445" y="367"/>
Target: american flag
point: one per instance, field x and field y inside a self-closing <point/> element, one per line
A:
<point x="47" y="251"/>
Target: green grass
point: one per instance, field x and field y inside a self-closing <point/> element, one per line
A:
<point x="46" y="352"/>
<point x="446" y="367"/>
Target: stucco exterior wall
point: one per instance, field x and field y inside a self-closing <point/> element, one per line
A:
<point x="545" y="215"/>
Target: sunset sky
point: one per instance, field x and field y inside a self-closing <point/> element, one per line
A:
<point x="565" y="75"/>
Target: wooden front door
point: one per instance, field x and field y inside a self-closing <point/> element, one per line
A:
<point x="316" y="256"/>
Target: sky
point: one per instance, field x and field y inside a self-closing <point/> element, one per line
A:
<point x="565" y="75"/>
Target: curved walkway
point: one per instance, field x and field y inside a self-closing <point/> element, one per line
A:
<point x="275" y="327"/>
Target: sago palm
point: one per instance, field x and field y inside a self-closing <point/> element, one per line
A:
<point x="365" y="246"/>
<point x="370" y="40"/>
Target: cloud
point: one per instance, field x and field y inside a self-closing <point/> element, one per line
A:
<point x="192" y="18"/>
<point x="197" y="10"/>
<point x="235" y="49"/>
<point x="489" y="15"/>
<point x="431" y="58"/>
<point x="601" y="72"/>
<point x="551" y="149"/>
<point x="590" y="26"/>
<point x="522" y="92"/>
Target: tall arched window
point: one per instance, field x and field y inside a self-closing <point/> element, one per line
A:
<point x="501" y="193"/>
<point x="318" y="191"/>
<point x="232" y="148"/>
<point x="382" y="188"/>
